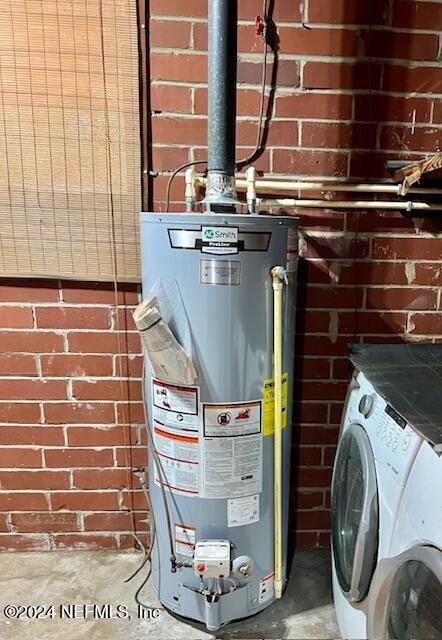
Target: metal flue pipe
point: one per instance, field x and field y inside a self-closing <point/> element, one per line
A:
<point x="222" y="30"/>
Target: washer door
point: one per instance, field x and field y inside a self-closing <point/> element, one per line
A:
<point x="355" y="521"/>
<point x="407" y="596"/>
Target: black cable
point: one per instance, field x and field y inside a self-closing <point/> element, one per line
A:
<point x="137" y="593"/>
<point x="174" y="174"/>
<point x="138" y="569"/>
<point x="148" y="558"/>
<point x="147" y="552"/>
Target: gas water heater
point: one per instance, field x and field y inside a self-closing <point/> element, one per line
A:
<point x="218" y="325"/>
<point x="214" y="553"/>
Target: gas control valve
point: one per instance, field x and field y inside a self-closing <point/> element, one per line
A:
<point x="212" y="558"/>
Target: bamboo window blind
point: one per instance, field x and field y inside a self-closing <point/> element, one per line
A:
<point x="70" y="171"/>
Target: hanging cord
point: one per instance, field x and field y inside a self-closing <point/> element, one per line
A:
<point x="126" y="426"/>
<point x="148" y="553"/>
<point x="175" y="173"/>
<point x="141" y="587"/>
<point x="239" y="164"/>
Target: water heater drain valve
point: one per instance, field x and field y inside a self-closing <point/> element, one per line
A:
<point x="212" y="558"/>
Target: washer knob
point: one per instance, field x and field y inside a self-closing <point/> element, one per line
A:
<point x="366" y="405"/>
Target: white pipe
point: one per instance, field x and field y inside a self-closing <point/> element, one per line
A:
<point x="279" y="276"/>
<point x="251" y="189"/>
<point x="358" y="187"/>
<point x="350" y="204"/>
<point x="190" y="192"/>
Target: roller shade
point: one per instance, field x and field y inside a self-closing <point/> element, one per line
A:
<point x="69" y="139"/>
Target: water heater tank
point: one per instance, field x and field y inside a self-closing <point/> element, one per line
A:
<point x="214" y="438"/>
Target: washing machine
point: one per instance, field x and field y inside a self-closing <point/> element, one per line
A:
<point x="406" y="595"/>
<point x="376" y="451"/>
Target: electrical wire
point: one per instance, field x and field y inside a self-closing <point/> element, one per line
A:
<point x="239" y="164"/>
<point x="127" y="441"/>
<point x="140" y="588"/>
<point x="175" y="173"/>
<point x="235" y="584"/>
<point x="148" y="552"/>
<point x="148" y="558"/>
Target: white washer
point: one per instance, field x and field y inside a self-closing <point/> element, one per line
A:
<point x="406" y="597"/>
<point x="375" y="454"/>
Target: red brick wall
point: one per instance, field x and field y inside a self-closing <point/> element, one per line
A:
<point x="69" y="407"/>
<point x="361" y="83"/>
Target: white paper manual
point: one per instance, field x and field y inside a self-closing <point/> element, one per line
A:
<point x="168" y="359"/>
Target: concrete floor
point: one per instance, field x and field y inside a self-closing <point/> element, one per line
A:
<point x="96" y="577"/>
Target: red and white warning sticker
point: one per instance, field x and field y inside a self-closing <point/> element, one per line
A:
<point x="185" y="538"/>
<point x="266" y="588"/>
<point x="230" y="420"/>
<point x="178" y="457"/>
<point x="232" y="450"/>
<point x="175" y="407"/>
<point x="267" y="585"/>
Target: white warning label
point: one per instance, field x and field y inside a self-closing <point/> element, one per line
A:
<point x="242" y="511"/>
<point x="232" y="449"/>
<point x="175" y="407"/>
<point x="232" y="466"/>
<point x="185" y="538"/>
<point x="178" y="458"/>
<point x="234" y="419"/>
<point x="266" y="588"/>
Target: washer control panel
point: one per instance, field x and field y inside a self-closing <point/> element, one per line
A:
<point x="393" y="441"/>
<point x="393" y="430"/>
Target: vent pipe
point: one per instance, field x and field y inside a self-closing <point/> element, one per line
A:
<point x="222" y="30"/>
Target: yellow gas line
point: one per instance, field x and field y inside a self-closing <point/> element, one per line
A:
<point x="279" y="277"/>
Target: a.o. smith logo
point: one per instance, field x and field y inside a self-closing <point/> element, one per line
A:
<point x="219" y="240"/>
<point x="220" y="234"/>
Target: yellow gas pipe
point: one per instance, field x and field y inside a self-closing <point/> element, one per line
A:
<point x="279" y="276"/>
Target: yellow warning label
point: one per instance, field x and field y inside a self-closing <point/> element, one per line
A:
<point x="268" y="404"/>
